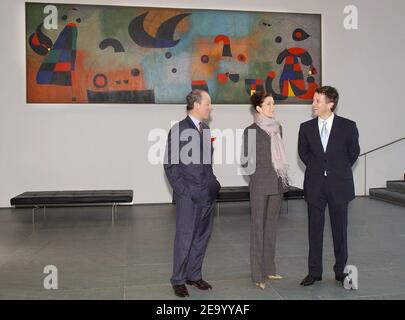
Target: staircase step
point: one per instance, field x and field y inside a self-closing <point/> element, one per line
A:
<point x="384" y="194"/>
<point x="397" y="186"/>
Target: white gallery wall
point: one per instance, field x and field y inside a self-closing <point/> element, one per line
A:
<point x="99" y="146"/>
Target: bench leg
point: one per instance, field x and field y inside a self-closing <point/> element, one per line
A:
<point x="44" y="212"/>
<point x="113" y="212"/>
<point x="218" y="209"/>
<point x="33" y="214"/>
<point x="286" y="205"/>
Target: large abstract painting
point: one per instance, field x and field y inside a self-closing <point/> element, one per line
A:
<point x="117" y="54"/>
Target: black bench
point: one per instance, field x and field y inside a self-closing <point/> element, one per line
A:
<point x="235" y="194"/>
<point x="37" y="199"/>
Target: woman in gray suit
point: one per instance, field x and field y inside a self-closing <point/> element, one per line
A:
<point x="267" y="182"/>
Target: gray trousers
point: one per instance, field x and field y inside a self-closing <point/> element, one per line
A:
<point x="194" y="225"/>
<point x="265" y="213"/>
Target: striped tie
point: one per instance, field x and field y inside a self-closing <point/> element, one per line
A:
<point x="200" y="127"/>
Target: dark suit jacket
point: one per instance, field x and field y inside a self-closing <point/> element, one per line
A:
<point x="192" y="177"/>
<point x="341" y="153"/>
<point x="264" y="180"/>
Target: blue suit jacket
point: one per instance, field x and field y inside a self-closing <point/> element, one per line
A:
<point x="188" y="162"/>
<point x="341" y="153"/>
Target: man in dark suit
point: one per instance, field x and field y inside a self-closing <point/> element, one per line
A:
<point x="188" y="167"/>
<point x="328" y="145"/>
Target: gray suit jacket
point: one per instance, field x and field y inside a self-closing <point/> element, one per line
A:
<point x="195" y="179"/>
<point x="264" y="180"/>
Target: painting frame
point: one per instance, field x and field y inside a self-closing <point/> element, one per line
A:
<point x="215" y="101"/>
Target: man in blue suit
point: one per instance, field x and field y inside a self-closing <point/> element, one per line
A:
<point x="329" y="146"/>
<point x="188" y="167"/>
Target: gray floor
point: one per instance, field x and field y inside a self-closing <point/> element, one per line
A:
<point x="133" y="258"/>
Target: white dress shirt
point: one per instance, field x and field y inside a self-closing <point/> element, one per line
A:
<point x="329" y="123"/>
<point x="195" y="120"/>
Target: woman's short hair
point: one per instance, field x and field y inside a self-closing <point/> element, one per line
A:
<point x="258" y="98"/>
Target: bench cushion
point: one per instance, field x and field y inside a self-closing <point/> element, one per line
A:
<point x="242" y="194"/>
<point x="229" y="194"/>
<point x="294" y="193"/>
<point x="72" y="197"/>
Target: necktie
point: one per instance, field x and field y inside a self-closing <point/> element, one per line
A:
<point x="324" y="136"/>
<point x="200" y="127"/>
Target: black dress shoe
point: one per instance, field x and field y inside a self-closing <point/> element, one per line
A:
<point x="200" y="284"/>
<point x="341" y="278"/>
<point x="180" y="290"/>
<point x="310" y="280"/>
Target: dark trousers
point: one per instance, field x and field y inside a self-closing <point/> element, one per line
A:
<point x="316" y="222"/>
<point x="193" y="229"/>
